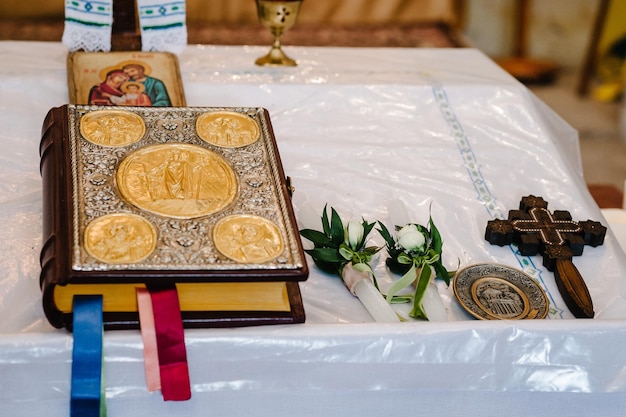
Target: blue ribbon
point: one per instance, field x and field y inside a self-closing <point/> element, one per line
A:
<point x="87" y="399"/>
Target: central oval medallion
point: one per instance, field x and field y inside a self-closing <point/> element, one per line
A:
<point x="177" y="180"/>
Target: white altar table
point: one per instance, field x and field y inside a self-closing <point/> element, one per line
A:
<point x="445" y="131"/>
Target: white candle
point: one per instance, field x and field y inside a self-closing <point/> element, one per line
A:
<point x="360" y="284"/>
<point x="433" y="304"/>
<point x="398" y="214"/>
<point x="308" y="218"/>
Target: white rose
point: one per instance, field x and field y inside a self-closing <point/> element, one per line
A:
<point x="353" y="234"/>
<point x="410" y="238"/>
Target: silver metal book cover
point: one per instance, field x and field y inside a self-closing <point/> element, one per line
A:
<point x="178" y="188"/>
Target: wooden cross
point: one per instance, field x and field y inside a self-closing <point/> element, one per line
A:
<point x="536" y="230"/>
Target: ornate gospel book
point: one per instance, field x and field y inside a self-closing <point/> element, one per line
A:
<point x="149" y="197"/>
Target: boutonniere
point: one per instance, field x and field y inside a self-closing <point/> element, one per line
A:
<point x="343" y="250"/>
<point x="415" y="251"/>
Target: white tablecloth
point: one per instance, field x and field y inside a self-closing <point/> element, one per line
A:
<point x="445" y="131"/>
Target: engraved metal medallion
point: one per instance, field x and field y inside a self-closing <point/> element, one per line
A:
<point x="247" y="239"/>
<point x="112" y="127"/>
<point x="492" y="291"/>
<point x="177" y="180"/>
<point x="120" y="238"/>
<point x="227" y="129"/>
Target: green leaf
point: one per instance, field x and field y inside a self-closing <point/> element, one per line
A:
<point x="437" y="241"/>
<point x="336" y="227"/>
<point x="325" y="223"/>
<point x="384" y="232"/>
<point x="442" y="272"/>
<point x="318" y="238"/>
<point x="367" y="228"/>
<point x="421" y="228"/>
<point x="371" y="250"/>
<point x="325" y="254"/>
<point x="328" y="267"/>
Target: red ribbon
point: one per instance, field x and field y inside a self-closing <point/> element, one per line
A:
<point x="175" y="384"/>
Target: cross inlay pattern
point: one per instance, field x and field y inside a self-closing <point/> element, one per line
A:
<point x="551" y="231"/>
<point x="536" y="230"/>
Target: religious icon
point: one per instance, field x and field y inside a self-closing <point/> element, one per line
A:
<point x="125" y="79"/>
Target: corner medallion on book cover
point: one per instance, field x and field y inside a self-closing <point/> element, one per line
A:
<point x="112" y="127"/>
<point x="120" y="238"/>
<point x="227" y="129"/>
<point x="247" y="239"/>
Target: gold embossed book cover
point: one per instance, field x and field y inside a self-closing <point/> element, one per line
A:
<point x="132" y="78"/>
<point x="146" y="196"/>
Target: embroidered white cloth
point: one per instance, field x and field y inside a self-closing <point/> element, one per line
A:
<point x="163" y="25"/>
<point x="88" y="25"/>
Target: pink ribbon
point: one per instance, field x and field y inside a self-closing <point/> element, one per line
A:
<point x="171" y="354"/>
<point x="148" y="335"/>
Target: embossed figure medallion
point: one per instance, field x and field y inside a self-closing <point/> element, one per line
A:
<point x="120" y="238"/>
<point x="247" y="239"/>
<point x="177" y="180"/>
<point x="492" y="291"/>
<point x="227" y="129"/>
<point x="112" y="127"/>
<point x="498" y="297"/>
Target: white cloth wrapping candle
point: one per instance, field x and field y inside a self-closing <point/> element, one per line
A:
<point x="88" y="25"/>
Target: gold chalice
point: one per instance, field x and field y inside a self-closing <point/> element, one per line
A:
<point x="277" y="16"/>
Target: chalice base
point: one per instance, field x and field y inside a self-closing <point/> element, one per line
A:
<point x="277" y="58"/>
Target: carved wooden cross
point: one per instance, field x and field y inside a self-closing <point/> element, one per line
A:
<point x="535" y="230"/>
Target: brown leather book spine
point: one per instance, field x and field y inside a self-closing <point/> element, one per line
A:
<point x="56" y="206"/>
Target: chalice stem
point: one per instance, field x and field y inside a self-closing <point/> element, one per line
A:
<point x="276" y="43"/>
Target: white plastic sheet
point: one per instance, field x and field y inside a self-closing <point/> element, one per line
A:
<point x="445" y="131"/>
